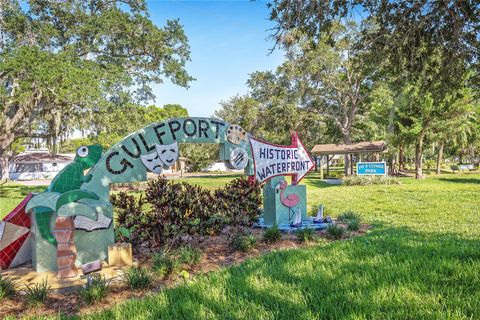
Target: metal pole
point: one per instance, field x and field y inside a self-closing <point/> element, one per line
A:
<point x="328" y="165"/>
<point x="321" y="167"/>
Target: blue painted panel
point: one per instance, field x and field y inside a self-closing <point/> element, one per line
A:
<point x="371" y="168"/>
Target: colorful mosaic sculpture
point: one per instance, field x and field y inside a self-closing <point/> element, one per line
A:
<point x="15" y="237"/>
<point x="60" y="201"/>
<point x="66" y="251"/>
<point x="72" y="220"/>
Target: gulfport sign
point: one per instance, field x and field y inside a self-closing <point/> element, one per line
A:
<point x="272" y="160"/>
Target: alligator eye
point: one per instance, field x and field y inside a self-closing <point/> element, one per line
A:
<point x="82" y="152"/>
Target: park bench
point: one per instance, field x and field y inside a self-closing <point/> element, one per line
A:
<point x="454" y="168"/>
<point x="466" y="167"/>
<point x="462" y="167"/>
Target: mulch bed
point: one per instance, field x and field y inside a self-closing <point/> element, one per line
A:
<point x="215" y="254"/>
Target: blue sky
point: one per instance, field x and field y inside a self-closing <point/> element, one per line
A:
<point x="228" y="41"/>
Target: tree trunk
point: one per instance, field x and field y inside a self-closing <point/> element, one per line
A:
<point x="347" y="169"/>
<point x="419" y="157"/>
<point x="55" y="130"/>
<point x="5" y="141"/>
<point x="401" y="157"/>
<point x="439" y="156"/>
<point x="4" y="173"/>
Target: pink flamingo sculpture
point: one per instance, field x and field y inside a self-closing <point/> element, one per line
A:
<point x="289" y="201"/>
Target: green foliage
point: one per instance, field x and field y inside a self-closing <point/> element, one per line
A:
<point x="375" y="272"/>
<point x="118" y="121"/>
<point x="348" y="215"/>
<point x="353" y="225"/>
<point x="95" y="290"/>
<point x="240" y="200"/>
<point x="370" y="180"/>
<point x="65" y="79"/>
<point x="189" y="255"/>
<point x="430" y="164"/>
<point x="164" y="263"/>
<point x="137" y="278"/>
<point x="352" y="220"/>
<point x="122" y="234"/>
<point x="199" y="156"/>
<point x="8" y="287"/>
<point x="305" y="234"/>
<point x="243" y="242"/>
<point x="272" y="235"/>
<point x="244" y="111"/>
<point x="178" y="209"/>
<point x="440" y="257"/>
<point x="335" y="232"/>
<point x="37" y="293"/>
<point x="71" y="146"/>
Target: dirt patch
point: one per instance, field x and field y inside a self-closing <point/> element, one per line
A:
<point x="216" y="254"/>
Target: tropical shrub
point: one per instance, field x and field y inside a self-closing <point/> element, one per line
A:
<point x="370" y="180"/>
<point x="37" y="293"/>
<point x="272" y="235"/>
<point x="305" y="234"/>
<point x="240" y="200"/>
<point x="172" y="210"/>
<point x="164" y="263"/>
<point x="128" y="211"/>
<point x="335" y="232"/>
<point x="189" y="255"/>
<point x="137" y="278"/>
<point x="179" y="209"/>
<point x="242" y="242"/>
<point x="8" y="287"/>
<point x="96" y="289"/>
<point x="352" y="220"/>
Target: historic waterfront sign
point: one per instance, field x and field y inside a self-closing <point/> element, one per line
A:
<point x="272" y="160"/>
<point x="371" y="168"/>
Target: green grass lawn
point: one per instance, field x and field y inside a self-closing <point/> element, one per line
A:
<point x="11" y="194"/>
<point x="420" y="261"/>
<point x="211" y="182"/>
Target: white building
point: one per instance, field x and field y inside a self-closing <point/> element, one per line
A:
<point x="219" y="166"/>
<point x="37" y="165"/>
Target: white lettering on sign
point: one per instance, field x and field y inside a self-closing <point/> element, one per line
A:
<point x="274" y="160"/>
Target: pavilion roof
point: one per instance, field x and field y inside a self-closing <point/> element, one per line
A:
<point x="42" y="157"/>
<point x="360" y="147"/>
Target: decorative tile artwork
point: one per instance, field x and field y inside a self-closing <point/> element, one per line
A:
<point x="2" y="229"/>
<point x="8" y="254"/>
<point x="87" y="224"/>
<point x="15" y="237"/>
<point x="18" y="215"/>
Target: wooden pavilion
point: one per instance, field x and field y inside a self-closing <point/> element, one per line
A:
<point x="347" y="150"/>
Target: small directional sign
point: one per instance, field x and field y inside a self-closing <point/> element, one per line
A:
<point x="272" y="160"/>
<point x="371" y="168"/>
